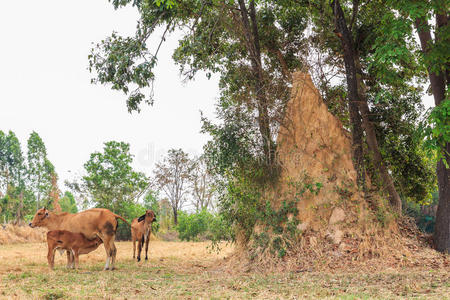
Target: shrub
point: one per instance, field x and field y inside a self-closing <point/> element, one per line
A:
<point x="202" y="225"/>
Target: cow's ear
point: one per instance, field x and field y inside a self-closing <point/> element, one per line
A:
<point x="141" y="218"/>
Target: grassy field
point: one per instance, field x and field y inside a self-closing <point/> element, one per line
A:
<point x="188" y="270"/>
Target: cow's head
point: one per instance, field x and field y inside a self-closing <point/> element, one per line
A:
<point x="40" y="218"/>
<point x="149" y="217"/>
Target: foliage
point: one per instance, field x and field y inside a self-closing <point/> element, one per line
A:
<point x="110" y="180"/>
<point x="202" y="225"/>
<point x="151" y="201"/>
<point x="437" y="130"/>
<point x="67" y="203"/>
<point x="424" y="221"/>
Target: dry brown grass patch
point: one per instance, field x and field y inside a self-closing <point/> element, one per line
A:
<point x="184" y="270"/>
<point x="13" y="234"/>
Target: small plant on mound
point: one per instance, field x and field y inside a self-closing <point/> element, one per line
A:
<point x="277" y="229"/>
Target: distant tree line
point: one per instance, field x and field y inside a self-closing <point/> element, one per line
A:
<point x="27" y="181"/>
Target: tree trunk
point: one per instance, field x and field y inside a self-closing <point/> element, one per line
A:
<point x="438" y="87"/>
<point x="355" y="117"/>
<point x="394" y="198"/>
<point x="175" y="216"/>
<point x="350" y="60"/>
<point x="252" y="43"/>
<point x="19" y="209"/>
<point x="374" y="150"/>
<point x="442" y="226"/>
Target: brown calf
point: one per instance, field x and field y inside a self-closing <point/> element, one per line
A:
<point x="74" y="243"/>
<point x="140" y="231"/>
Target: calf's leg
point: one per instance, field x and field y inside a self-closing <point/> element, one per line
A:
<point x="147" y="240"/>
<point x="134" y="245"/>
<point x="140" y="245"/>
<point x="76" y="256"/>
<point x="51" y="256"/>
<point x="69" y="259"/>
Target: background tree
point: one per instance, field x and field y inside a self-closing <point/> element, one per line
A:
<point x="12" y="174"/>
<point x="54" y="194"/>
<point x="203" y="187"/>
<point x="68" y="203"/>
<point x="111" y="182"/>
<point x="151" y="201"/>
<point x="40" y="169"/>
<point x="171" y="177"/>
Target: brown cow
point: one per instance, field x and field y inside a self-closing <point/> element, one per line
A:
<point x="94" y="222"/>
<point x="75" y="243"/>
<point x="140" y="231"/>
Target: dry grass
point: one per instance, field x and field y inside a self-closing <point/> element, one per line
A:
<point x="12" y="234"/>
<point x="189" y="270"/>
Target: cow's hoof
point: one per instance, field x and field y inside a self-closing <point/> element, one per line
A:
<point x="146" y="258"/>
<point x="138" y="259"/>
<point x="105" y="269"/>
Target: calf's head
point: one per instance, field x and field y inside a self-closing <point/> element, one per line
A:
<point x="149" y="217"/>
<point x="40" y="218"/>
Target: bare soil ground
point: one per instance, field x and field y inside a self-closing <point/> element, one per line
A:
<point x="189" y="271"/>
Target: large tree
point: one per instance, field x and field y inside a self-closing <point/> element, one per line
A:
<point x="435" y="57"/>
<point x="358" y="104"/>
<point x="253" y="47"/>
<point x="171" y="177"/>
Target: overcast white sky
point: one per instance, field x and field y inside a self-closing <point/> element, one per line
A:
<point x="45" y="87"/>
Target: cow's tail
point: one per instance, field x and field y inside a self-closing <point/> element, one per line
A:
<point x="119" y="217"/>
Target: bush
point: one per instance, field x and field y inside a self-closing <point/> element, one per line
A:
<point x="424" y="221"/>
<point x="202" y="225"/>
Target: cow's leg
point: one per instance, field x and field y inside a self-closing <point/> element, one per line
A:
<point x="108" y="257"/>
<point x="113" y="254"/>
<point x="147" y="240"/>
